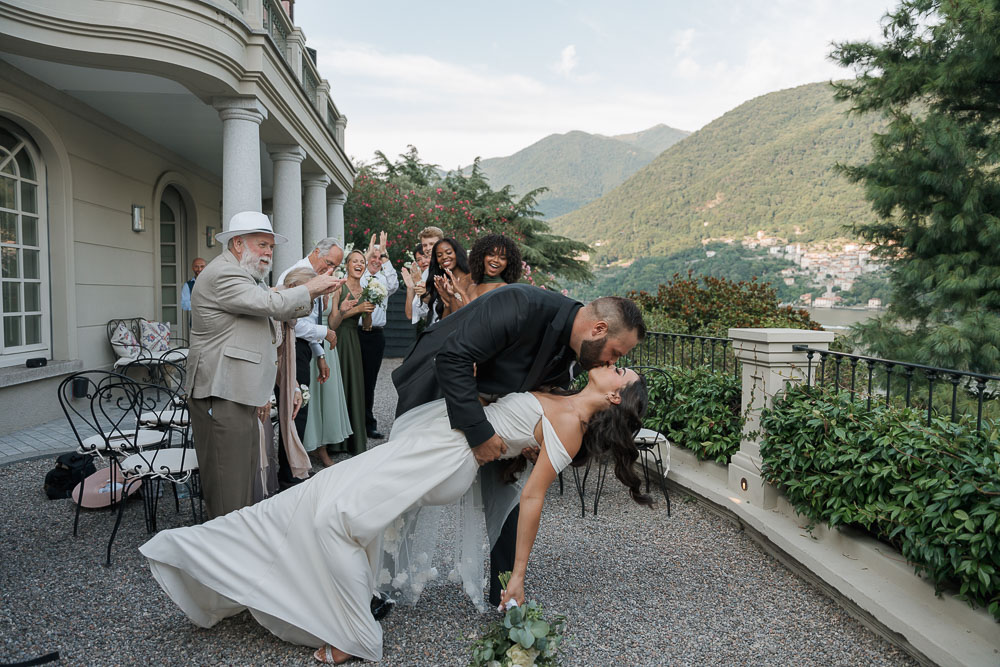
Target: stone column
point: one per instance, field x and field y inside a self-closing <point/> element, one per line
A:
<point x="287" y="204"/>
<point x="322" y="98"/>
<point x="241" y="119"/>
<point x="314" y="211"/>
<point x="335" y="216"/>
<point x="296" y="52"/>
<point x="340" y="125"/>
<point x="768" y="365"/>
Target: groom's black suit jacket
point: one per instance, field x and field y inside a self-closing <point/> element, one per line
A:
<point x="518" y="338"/>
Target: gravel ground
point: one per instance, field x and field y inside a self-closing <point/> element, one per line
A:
<point x="637" y="588"/>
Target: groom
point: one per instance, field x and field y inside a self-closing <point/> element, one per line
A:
<point x="515" y="338"/>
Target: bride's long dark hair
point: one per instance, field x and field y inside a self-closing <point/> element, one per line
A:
<point x="610" y="434"/>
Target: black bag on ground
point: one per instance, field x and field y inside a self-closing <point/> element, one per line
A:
<point x="70" y="470"/>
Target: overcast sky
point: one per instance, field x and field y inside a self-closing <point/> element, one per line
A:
<point x="466" y="78"/>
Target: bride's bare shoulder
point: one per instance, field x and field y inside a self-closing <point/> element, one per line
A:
<point x="564" y="421"/>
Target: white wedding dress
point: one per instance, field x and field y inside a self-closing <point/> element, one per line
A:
<point x="305" y="562"/>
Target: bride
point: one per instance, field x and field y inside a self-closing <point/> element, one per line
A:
<point x="303" y="562"/>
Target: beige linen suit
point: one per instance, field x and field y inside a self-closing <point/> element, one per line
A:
<point x="231" y="370"/>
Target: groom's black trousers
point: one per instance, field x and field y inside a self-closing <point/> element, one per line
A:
<point x="502" y="554"/>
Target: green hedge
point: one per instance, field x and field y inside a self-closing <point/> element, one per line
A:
<point x="932" y="491"/>
<point x="704" y="415"/>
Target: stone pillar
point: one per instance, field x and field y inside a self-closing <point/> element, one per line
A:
<point x="253" y="13"/>
<point x="287" y="204"/>
<point x="768" y="365"/>
<point x="241" y="119"/>
<point x="335" y="216"/>
<point x="314" y="211"/>
<point x="322" y="97"/>
<point x="296" y="52"/>
<point x="339" y="126"/>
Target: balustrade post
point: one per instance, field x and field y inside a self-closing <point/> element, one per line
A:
<point x="768" y="364"/>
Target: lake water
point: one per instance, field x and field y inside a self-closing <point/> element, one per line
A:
<point x="836" y="319"/>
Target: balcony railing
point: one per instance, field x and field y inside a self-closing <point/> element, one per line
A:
<point x="310" y="79"/>
<point x="904" y="384"/>
<point x="277" y="25"/>
<point x="685" y="351"/>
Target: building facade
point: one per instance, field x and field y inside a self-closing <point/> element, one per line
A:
<point x="130" y="133"/>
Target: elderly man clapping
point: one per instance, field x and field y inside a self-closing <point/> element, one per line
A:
<point x="233" y="358"/>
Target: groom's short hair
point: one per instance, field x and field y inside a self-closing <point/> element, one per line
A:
<point x="621" y="314"/>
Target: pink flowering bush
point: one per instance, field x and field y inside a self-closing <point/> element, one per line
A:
<point x="402" y="198"/>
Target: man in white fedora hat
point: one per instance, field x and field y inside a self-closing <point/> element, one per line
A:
<point x="233" y="359"/>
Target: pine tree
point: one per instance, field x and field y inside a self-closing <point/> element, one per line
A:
<point x="933" y="180"/>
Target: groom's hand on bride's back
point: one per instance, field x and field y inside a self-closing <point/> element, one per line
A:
<point x="490" y="450"/>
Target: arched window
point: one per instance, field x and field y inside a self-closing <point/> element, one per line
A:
<point x="24" y="280"/>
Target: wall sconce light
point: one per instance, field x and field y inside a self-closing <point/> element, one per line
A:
<point x="210" y="237"/>
<point x="743" y="483"/>
<point x="138" y="218"/>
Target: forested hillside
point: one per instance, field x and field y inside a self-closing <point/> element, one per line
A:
<point x="577" y="167"/>
<point x="655" y="140"/>
<point x="732" y="262"/>
<point x="766" y="165"/>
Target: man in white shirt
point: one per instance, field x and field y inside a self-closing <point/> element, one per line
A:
<point x="373" y="341"/>
<point x="429" y="236"/>
<point x="328" y="254"/>
<point x="310" y="332"/>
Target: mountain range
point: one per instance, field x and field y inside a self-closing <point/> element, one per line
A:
<point x="578" y="167"/>
<point x="766" y="165"/>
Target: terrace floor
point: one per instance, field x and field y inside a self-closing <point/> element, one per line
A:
<point x="637" y="588"/>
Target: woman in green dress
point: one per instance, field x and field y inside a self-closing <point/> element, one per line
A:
<point x="344" y="318"/>
<point x="328" y="424"/>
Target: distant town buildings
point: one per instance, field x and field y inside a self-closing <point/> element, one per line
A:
<point x="832" y="265"/>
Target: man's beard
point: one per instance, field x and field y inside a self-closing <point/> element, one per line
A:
<point x="252" y="264"/>
<point x="590" y="353"/>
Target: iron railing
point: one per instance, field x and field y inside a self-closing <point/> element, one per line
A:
<point x="886" y="381"/>
<point x="276" y="24"/>
<point x="685" y="351"/>
<point x="310" y="81"/>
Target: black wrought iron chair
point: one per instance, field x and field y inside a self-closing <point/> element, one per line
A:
<point x="102" y="408"/>
<point x="652" y="444"/>
<point x="172" y="459"/>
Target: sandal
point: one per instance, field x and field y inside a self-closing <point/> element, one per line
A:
<point x="325" y="655"/>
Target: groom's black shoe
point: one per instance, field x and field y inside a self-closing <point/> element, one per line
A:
<point x="375" y="435"/>
<point x="381" y="606"/>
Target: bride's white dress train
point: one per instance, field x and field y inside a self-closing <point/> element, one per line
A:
<point x="305" y="561"/>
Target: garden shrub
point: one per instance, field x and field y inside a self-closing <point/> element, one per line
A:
<point x="932" y="491"/>
<point x="704" y="415"/>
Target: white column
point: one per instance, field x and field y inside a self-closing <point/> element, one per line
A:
<point x="340" y="125"/>
<point x="335" y="216"/>
<point x="287" y="204"/>
<point x="768" y="365"/>
<point x="314" y="211"/>
<point x="296" y="52"/>
<point x="241" y="119"/>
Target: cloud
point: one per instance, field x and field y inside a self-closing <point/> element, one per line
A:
<point x="567" y="61"/>
<point x="684" y="39"/>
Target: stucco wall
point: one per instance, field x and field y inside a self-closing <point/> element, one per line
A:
<point x="115" y="271"/>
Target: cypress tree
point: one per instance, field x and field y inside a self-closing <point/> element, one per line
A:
<point x="933" y="180"/>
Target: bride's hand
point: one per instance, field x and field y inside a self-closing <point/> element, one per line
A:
<point x="514" y="591"/>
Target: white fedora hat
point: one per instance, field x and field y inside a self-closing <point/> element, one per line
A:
<point x="249" y="222"/>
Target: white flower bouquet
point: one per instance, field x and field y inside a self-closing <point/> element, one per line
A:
<point x="374" y="292"/>
<point x="304" y="390"/>
<point x="523" y="638"/>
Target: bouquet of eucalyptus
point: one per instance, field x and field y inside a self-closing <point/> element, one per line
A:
<point x="374" y="293"/>
<point x="523" y="638"/>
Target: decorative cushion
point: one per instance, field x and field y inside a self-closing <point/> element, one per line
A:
<point x="155" y="335"/>
<point x="123" y="342"/>
<point x="647" y="436"/>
